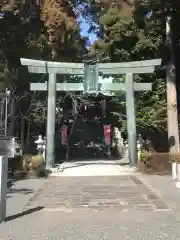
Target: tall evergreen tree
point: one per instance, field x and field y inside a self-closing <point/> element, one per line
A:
<point x="39" y="30"/>
<point x="134" y="31"/>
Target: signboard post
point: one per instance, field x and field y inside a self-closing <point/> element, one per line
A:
<point x="6" y="151"/>
<point x="3" y="186"/>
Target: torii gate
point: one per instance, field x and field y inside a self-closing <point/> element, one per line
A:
<point x="91" y="74"/>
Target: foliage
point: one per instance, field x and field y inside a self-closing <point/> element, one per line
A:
<point x="127" y="31"/>
<point x="134" y="31"/>
<point x="34" y="164"/>
<point x="175" y="157"/>
<point x="33" y="29"/>
<point x="62" y="30"/>
<point x="144" y="157"/>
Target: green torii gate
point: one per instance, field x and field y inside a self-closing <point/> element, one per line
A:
<point x="91" y="73"/>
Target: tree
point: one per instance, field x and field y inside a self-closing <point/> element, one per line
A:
<point x="134" y="31"/>
<point x="40" y="31"/>
<point x="62" y="31"/>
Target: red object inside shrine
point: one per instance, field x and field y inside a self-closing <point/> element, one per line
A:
<point x="107" y="133"/>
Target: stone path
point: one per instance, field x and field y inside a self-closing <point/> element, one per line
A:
<point x="21" y="192"/>
<point x="164" y="187"/>
<point x="93" y="208"/>
<point x="97" y="193"/>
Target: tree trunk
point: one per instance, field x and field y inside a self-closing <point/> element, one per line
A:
<point x="172" y="113"/>
<point x="28" y="133"/>
<point x="22" y="133"/>
<point x="12" y="119"/>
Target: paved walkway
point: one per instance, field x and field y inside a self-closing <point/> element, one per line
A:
<point x="20" y="194"/>
<point x="97" y="193"/>
<point x="129" y="207"/>
<point x="164" y="187"/>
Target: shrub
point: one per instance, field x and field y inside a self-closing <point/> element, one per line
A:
<point x="174" y="157"/>
<point x="158" y="162"/>
<point x="35" y="164"/>
<point x="144" y="156"/>
<point x="26" y="159"/>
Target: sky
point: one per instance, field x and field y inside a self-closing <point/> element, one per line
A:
<point x="85" y="26"/>
<point x="84" y="30"/>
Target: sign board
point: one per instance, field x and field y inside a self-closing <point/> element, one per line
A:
<point x="7" y="146"/>
<point x="91" y="76"/>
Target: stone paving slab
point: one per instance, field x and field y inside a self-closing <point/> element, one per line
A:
<point x="97" y="193"/>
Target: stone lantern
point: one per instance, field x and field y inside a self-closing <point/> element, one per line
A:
<point x="41" y="145"/>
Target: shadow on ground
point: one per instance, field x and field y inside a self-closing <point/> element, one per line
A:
<point x="27" y="212"/>
<point x="20" y="190"/>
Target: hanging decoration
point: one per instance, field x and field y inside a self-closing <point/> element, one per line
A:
<point x="64" y="135"/>
<point x="107" y="134"/>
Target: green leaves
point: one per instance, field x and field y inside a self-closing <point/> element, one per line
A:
<point x="133" y="33"/>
